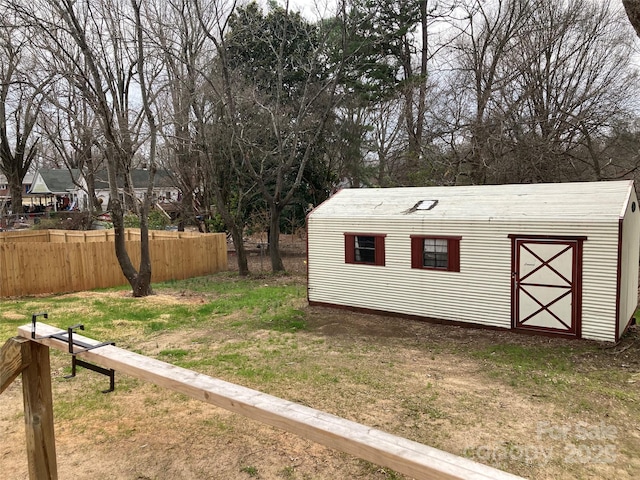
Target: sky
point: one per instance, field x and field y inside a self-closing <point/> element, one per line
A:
<point x="312" y="9"/>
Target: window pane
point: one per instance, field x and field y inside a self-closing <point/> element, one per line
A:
<point x="440" y="245"/>
<point x="365" y="242"/>
<point x="435" y="253"/>
<point x="365" y="249"/>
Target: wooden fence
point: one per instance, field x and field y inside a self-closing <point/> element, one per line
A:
<point x="56" y="261"/>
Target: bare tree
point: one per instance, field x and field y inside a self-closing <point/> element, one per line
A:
<point x="70" y="129"/>
<point x="176" y="29"/>
<point x="201" y="134"/>
<point x="574" y="82"/>
<point x="386" y="141"/>
<point x="489" y="32"/>
<point x="22" y="86"/>
<point x="202" y="147"/>
<point x="415" y="80"/>
<point x="543" y="79"/>
<point x="95" y="48"/>
<point x="276" y="106"/>
<point x="295" y="93"/>
<point x="146" y="75"/>
<point x="234" y="194"/>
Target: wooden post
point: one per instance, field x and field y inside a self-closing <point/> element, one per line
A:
<point x="38" y="415"/>
<point x="15" y="356"/>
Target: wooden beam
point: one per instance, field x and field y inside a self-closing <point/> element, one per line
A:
<point x="405" y="456"/>
<point x="38" y="415"/>
<point x="15" y="356"/>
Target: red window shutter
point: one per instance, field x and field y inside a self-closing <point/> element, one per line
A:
<point x="417" y="249"/>
<point x="380" y="255"/>
<point x="453" y="249"/>
<point x="349" y="248"/>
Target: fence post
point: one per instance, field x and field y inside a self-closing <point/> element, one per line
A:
<point x="38" y="415"/>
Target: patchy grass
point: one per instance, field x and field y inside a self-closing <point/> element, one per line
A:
<point x="556" y="372"/>
<point x="528" y="366"/>
<point x="518" y="403"/>
<point x="251" y="471"/>
<point x="256" y="305"/>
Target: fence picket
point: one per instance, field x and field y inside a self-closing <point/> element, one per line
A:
<point x="43" y="263"/>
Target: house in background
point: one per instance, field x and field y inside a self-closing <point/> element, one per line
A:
<point x="63" y="189"/>
<point x="5" y="194"/>
<point x="165" y="189"/>
<point x="558" y="259"/>
<point x="55" y="188"/>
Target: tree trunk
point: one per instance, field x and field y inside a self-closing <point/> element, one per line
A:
<point x="185" y="210"/>
<point x="94" y="204"/>
<point x="142" y="285"/>
<point x="479" y="158"/>
<point x="241" y="251"/>
<point x="274" y="239"/>
<point x="15" y="187"/>
<point x="140" y="281"/>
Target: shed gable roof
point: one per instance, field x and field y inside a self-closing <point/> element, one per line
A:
<point x="549" y="201"/>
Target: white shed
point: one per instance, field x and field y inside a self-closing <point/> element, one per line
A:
<point x="557" y="259"/>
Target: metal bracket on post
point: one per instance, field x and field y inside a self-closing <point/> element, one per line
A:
<point x="33" y="322"/>
<point x="75" y="361"/>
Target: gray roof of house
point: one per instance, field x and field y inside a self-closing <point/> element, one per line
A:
<point x="28" y="178"/>
<point x="139" y="177"/>
<point x="56" y="180"/>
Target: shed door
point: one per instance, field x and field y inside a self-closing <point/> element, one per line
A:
<point x="546" y="285"/>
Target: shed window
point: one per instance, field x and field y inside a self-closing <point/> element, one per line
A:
<point x="435" y="253"/>
<point x="364" y="248"/>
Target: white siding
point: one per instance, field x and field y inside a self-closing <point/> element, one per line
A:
<point x="629" y="262"/>
<point x="38" y="185"/>
<point x="480" y="293"/>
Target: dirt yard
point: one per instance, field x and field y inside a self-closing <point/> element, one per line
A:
<point x="435" y="384"/>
